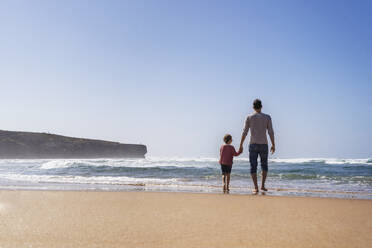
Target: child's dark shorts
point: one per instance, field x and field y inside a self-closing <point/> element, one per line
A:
<point x="226" y="169"/>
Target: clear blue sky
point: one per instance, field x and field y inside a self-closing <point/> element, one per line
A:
<point x="178" y="75"/>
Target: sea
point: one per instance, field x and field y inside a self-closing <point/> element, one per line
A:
<point x="307" y="177"/>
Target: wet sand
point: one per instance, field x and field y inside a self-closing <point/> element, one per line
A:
<point x="147" y="219"/>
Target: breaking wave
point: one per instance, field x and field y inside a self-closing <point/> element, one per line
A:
<point x="187" y="162"/>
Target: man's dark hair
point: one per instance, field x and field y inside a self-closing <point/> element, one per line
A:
<point x="257" y="104"/>
<point x="227" y="138"/>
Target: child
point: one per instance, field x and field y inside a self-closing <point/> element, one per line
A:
<point x="227" y="153"/>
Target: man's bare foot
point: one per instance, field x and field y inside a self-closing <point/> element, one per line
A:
<point x="255" y="191"/>
<point x="224" y="189"/>
<point x="263" y="188"/>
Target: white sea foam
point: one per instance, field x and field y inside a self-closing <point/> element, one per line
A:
<point x="182" y="159"/>
<point x="348" y="161"/>
<point x="61" y="163"/>
<point x="275" y="160"/>
<point x="87" y="180"/>
<point x="22" y="161"/>
<point x="134" y="163"/>
<point x="196" y="162"/>
<point x="321" y="160"/>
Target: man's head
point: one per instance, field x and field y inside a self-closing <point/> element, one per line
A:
<point x="257" y="105"/>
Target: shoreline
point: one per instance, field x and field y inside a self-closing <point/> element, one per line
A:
<point x="301" y="193"/>
<point x="163" y="219"/>
<point x="260" y="194"/>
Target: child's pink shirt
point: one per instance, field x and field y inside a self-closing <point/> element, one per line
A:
<point x="227" y="152"/>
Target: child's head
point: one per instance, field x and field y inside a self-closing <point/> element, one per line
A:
<point x="227" y="139"/>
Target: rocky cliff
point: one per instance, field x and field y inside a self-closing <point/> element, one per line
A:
<point x="45" y="145"/>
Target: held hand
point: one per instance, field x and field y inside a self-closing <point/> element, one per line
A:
<point x="240" y="149"/>
<point x="272" y="149"/>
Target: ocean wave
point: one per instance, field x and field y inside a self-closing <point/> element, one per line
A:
<point x="321" y="161"/>
<point x="273" y="160"/>
<point x="22" y="161"/>
<point x="182" y="159"/>
<point x="197" y="162"/>
<point x="121" y="180"/>
<point x="140" y="163"/>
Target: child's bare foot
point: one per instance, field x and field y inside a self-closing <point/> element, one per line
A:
<point x="263" y="188"/>
<point x="228" y="190"/>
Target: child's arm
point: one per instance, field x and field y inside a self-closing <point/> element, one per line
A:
<point x="237" y="153"/>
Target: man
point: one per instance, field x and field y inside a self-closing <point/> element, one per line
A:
<point x="258" y="122"/>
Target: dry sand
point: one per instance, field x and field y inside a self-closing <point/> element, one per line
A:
<point x="145" y="219"/>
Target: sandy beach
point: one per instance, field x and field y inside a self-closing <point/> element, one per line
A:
<point x="146" y="219"/>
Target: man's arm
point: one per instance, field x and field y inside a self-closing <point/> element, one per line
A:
<point x="271" y="134"/>
<point x="241" y="142"/>
<point x="244" y="134"/>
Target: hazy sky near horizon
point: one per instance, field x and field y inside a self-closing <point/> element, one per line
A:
<point x="178" y="75"/>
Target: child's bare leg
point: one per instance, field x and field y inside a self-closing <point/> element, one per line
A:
<point x="224" y="182"/>
<point x="228" y="182"/>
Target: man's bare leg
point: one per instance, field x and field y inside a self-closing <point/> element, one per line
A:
<point x="254" y="178"/>
<point x="264" y="175"/>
